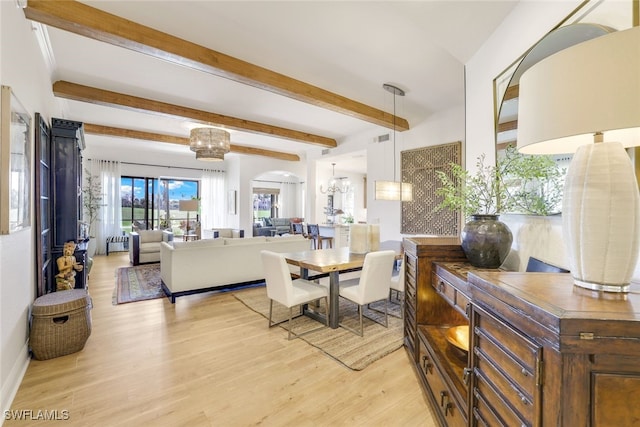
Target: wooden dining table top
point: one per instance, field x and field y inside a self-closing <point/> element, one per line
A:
<point x="337" y="259"/>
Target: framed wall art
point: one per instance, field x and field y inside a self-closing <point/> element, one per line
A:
<point x="15" y="163"/>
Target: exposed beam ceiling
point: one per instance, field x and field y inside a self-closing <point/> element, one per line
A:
<point x="99" y="25"/>
<point x="95" y="129"/>
<point x="97" y="96"/>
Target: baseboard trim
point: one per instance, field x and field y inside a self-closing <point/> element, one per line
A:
<point x="12" y="384"/>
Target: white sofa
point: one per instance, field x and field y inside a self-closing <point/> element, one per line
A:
<point x="215" y="233"/>
<point x="144" y="245"/>
<point x="203" y="265"/>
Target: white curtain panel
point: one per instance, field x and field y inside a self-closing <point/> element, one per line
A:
<point x="213" y="199"/>
<point x="288" y="200"/>
<point x="109" y="221"/>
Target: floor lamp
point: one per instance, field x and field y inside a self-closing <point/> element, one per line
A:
<point x="188" y="206"/>
<point x="586" y="99"/>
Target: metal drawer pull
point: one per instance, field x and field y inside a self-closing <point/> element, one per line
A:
<point x="524" y="372"/>
<point x="465" y="376"/>
<point x="441" y="286"/>
<point x="444" y="399"/>
<point x="427" y="364"/>
<point x="448" y="408"/>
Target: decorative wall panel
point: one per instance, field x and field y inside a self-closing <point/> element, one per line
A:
<point x="419" y="167"/>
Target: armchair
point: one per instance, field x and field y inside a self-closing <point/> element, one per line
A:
<point x="144" y="245"/>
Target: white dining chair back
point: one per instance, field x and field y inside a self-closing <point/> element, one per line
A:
<point x="290" y="293"/>
<point x="375" y="279"/>
<point x="278" y="278"/>
<point x="372" y="285"/>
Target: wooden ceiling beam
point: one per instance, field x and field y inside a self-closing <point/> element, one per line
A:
<point x="107" y="98"/>
<point x="512" y="92"/>
<point x="507" y="126"/>
<point x="96" y="24"/>
<point x="95" y="129"/>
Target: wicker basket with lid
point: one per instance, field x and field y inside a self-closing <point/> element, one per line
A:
<point x="60" y="323"/>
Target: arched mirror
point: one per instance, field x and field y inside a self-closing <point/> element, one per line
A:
<point x="592" y="19"/>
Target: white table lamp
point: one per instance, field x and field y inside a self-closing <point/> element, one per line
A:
<point x="188" y="205"/>
<point x="586" y="99"/>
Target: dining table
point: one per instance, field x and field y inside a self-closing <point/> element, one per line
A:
<point x="333" y="262"/>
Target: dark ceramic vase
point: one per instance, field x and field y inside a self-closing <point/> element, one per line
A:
<point x="486" y="241"/>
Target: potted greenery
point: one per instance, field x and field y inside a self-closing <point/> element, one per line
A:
<point x="486" y="241"/>
<point x="517" y="183"/>
<point x="91" y="203"/>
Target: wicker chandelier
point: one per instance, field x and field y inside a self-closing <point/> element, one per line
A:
<point x="209" y="144"/>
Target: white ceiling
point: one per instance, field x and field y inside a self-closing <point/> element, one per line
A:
<point x="349" y="48"/>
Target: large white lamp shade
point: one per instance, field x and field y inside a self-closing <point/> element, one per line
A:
<point x="573" y="101"/>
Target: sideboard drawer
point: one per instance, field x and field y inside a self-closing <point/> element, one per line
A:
<point x="442" y="395"/>
<point x="451" y="294"/>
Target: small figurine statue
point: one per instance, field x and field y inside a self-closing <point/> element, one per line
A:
<point x="67" y="267"/>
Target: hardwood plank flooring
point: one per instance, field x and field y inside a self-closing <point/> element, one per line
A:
<point x="209" y="361"/>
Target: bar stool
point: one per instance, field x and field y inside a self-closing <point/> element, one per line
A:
<point x="327" y="239"/>
<point x="298" y="228"/>
<point x="314" y="234"/>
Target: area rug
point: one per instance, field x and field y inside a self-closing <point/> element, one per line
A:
<point x="351" y="350"/>
<point x="138" y="283"/>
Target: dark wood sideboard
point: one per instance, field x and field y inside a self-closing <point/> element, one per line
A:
<point x="543" y="352"/>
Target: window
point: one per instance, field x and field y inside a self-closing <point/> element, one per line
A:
<point x="265" y="203"/>
<point x="150" y="203"/>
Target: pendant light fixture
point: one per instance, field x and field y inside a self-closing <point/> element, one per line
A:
<point x="335" y="185"/>
<point x="393" y="190"/>
<point x="209" y="144"/>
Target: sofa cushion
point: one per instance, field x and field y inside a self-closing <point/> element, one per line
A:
<point x="246" y="241"/>
<point x="147" y="236"/>
<point x="149" y="247"/>
<point x="205" y="243"/>
<point x="267" y="222"/>
<point x="224" y="232"/>
<point x="281" y="222"/>
<point x="285" y="238"/>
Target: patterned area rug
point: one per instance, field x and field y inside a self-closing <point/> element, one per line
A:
<point x="138" y="283"/>
<point x="351" y="350"/>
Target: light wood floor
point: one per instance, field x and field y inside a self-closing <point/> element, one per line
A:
<point x="210" y="361"/>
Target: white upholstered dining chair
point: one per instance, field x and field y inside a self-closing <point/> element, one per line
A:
<point x="290" y="293"/>
<point x="373" y="285"/>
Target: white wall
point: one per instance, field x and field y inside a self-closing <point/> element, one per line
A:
<point x="22" y="68"/>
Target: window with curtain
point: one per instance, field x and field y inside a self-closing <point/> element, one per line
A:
<point x="109" y="221"/>
<point x="213" y="199"/>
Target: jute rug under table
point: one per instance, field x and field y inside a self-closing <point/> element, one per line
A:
<point x="353" y="351"/>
